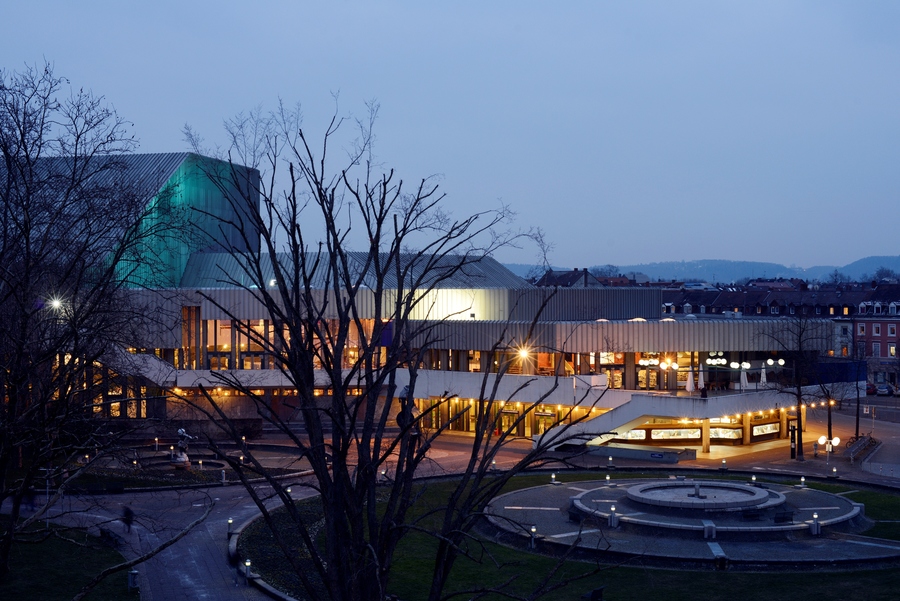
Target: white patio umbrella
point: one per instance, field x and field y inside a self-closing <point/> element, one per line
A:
<point x="689" y="385"/>
<point x="762" y="376"/>
<point x="744" y="383"/>
<point x="701" y="384"/>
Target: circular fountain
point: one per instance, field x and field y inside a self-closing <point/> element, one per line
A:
<point x="704" y="495"/>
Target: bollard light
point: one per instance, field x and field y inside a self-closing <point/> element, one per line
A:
<point x="156" y="444"/>
<point x="533" y="535"/>
<point x="553" y="477"/>
<point x="201" y="464"/>
<point x="815" y="515"/>
<point x="607" y="478"/>
<point x="493" y="464"/>
<point x="242" y="460"/>
<point x="753" y="478"/>
<point x="230" y="526"/>
<point x="612" y="508"/>
<point x="247" y="569"/>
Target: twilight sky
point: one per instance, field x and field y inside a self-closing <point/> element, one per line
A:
<point x="629" y="131"/>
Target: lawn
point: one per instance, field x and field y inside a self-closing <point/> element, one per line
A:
<point x="495" y="564"/>
<point x="57" y="570"/>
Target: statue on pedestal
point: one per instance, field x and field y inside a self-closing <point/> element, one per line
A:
<point x="180" y="460"/>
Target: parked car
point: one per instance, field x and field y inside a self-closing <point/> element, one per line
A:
<point x="884" y="389"/>
<point x="870" y="388"/>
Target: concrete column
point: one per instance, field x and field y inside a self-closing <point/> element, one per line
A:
<point x="803" y="416"/>
<point x="460" y="360"/>
<point x="559" y="364"/>
<point x="444" y="358"/>
<point x="486" y="362"/>
<point x="783" y="421"/>
<point x="629" y="377"/>
<point x="704" y="436"/>
<point x="748" y="428"/>
<point x="204" y="336"/>
<point x="235" y="351"/>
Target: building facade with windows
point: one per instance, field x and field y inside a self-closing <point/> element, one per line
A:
<point x="613" y="354"/>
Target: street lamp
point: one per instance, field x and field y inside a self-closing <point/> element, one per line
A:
<point x="829" y="443"/>
<point x="665" y="366"/>
<point x="647" y="364"/>
<point x="716" y="359"/>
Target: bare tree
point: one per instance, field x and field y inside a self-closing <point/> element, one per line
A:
<point x="67" y="236"/>
<point x="802" y="341"/>
<point x="605" y="271"/>
<point x="837" y="277"/>
<point x="358" y="326"/>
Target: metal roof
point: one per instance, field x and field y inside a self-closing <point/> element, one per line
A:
<point x="226" y="270"/>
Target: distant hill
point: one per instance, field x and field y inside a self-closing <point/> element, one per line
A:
<point x="717" y="270"/>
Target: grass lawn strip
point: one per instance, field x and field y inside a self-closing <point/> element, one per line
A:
<point x="495" y="563"/>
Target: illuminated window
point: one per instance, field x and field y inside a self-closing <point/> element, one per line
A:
<point x="892" y="350"/>
<point x="831" y="310"/>
<point x="674" y="434"/>
<point x="725" y="433"/>
<point x="846" y="310"/>
<point x="766" y="429"/>
<point x="635" y="435"/>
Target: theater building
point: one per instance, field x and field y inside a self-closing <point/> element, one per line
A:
<point x="607" y="352"/>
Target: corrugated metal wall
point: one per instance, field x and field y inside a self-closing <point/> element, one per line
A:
<point x="639" y="336"/>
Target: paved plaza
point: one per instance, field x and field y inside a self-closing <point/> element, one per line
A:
<point x="197" y="567"/>
<point x="582" y="513"/>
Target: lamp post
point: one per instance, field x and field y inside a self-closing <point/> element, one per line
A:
<point x="829" y="443"/>
<point x="716" y="359"/>
<point x="830" y="405"/>
<point x="647" y="364"/>
<point x="665" y="366"/>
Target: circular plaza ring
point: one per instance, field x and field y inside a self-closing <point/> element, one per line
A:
<point x="698" y="494"/>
